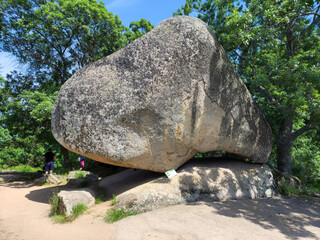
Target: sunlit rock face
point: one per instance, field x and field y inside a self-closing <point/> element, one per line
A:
<point x="157" y="102"/>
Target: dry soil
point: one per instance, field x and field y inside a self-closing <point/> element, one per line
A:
<point x="24" y="213"/>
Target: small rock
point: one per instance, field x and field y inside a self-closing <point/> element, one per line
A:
<point x="53" y="179"/>
<point x="68" y="199"/>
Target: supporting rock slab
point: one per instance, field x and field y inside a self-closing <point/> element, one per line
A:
<point x="197" y="180"/>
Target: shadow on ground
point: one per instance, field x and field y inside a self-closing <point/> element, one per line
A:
<point x="43" y="195"/>
<point x="126" y="180"/>
<point x="291" y="215"/>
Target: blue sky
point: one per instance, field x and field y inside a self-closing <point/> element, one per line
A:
<point x="133" y="10"/>
<point x="128" y="11"/>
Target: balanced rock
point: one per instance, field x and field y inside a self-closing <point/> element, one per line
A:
<point x="157" y="102"/>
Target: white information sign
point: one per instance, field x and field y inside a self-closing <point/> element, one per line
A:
<point x="171" y="173"/>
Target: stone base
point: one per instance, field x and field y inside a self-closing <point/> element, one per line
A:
<point x="198" y="180"/>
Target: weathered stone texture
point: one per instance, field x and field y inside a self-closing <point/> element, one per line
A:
<point x="68" y="199"/>
<point x="205" y="180"/>
<point x="157" y="102"/>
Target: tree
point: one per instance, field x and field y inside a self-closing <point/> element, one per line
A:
<point x="24" y="119"/>
<point x="138" y="29"/>
<point x="57" y="37"/>
<point x="274" y="47"/>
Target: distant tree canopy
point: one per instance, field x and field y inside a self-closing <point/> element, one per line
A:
<point x="138" y="29"/>
<point x="54" y="38"/>
<point x="274" y="46"/>
<point x="59" y="37"/>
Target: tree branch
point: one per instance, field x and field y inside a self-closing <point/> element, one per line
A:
<point x="302" y="130"/>
<point x="270" y="98"/>
<point x="309" y="13"/>
<point x="47" y="40"/>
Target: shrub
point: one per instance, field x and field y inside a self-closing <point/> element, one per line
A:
<point x="54" y="202"/>
<point x="78" y="210"/>
<point x="286" y="188"/>
<point x="114" y="200"/>
<point x="80" y="175"/>
<point x="26" y="168"/>
<point x="60" y="217"/>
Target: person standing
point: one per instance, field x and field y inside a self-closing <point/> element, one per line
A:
<point x="81" y="160"/>
<point x="49" y="157"/>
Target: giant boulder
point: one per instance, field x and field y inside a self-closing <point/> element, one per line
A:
<point x="157" y="102"/>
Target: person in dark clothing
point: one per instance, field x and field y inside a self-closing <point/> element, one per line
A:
<point x="49" y="157"/>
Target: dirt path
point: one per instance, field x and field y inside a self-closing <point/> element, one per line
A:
<point x="24" y="216"/>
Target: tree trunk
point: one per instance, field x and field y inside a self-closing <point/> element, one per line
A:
<point x="65" y="154"/>
<point x="284" y="142"/>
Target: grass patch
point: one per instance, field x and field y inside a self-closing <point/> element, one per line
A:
<point x="24" y="169"/>
<point x="58" y="216"/>
<point x="80" y="175"/>
<point x="114" y="200"/>
<point x="78" y="210"/>
<point x="54" y="203"/>
<point x="114" y="215"/>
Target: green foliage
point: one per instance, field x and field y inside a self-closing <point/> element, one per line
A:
<point x="60" y="36"/>
<point x="274" y="48"/>
<point x="314" y="187"/>
<point x="138" y="29"/>
<point x="55" y="39"/>
<point x="25" y="127"/>
<point x="59" y="216"/>
<point x="21" y="151"/>
<point x="54" y="203"/>
<point x="25" y="169"/>
<point x="78" y="210"/>
<point x="114" y="215"/>
<point x="306" y="158"/>
<point x="114" y="200"/>
<point x="80" y="175"/>
<point x="286" y="188"/>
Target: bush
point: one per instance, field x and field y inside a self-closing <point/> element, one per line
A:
<point x="114" y="200"/>
<point x="314" y="187"/>
<point x="286" y="188"/>
<point x="78" y="210"/>
<point x="54" y="202"/>
<point x="26" y="168"/>
<point x="80" y="175"/>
